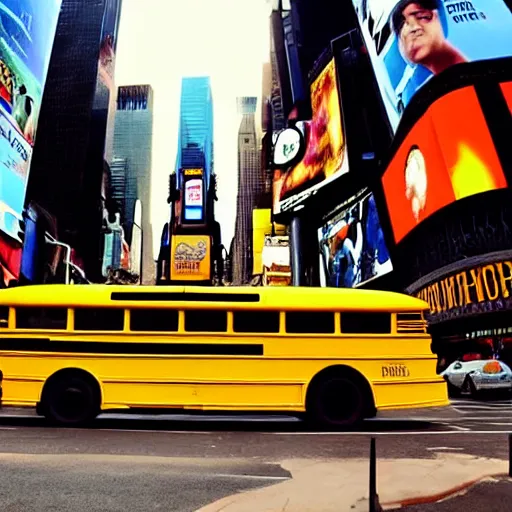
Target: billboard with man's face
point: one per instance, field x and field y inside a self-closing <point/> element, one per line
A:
<point x="410" y="41"/>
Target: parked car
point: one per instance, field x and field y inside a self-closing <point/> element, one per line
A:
<point x="473" y="377"/>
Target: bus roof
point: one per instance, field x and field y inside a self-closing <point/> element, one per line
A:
<point x="275" y="298"/>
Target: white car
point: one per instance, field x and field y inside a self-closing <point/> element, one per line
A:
<point x="474" y="376"/>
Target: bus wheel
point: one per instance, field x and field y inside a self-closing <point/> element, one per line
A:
<point x="71" y="399"/>
<point x="337" y="400"/>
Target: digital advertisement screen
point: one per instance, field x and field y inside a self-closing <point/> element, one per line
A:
<point x="27" y="32"/>
<point x="507" y="92"/>
<point x="190" y="258"/>
<point x="352" y="246"/>
<point x="442" y="160"/>
<point x="325" y="156"/>
<point x="410" y="41"/>
<point x="194" y="199"/>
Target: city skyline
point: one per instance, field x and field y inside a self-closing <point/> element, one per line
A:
<point x="234" y="69"/>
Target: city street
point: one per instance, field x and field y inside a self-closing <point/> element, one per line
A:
<point x="182" y="463"/>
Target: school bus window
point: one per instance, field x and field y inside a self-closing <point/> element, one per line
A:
<point x="41" y="318"/>
<point x="303" y="322"/>
<point x="4" y="316"/>
<point x="206" y="321"/>
<point x="91" y="319"/>
<point x="154" y="320"/>
<point x="256" y="321"/>
<point x="365" y="323"/>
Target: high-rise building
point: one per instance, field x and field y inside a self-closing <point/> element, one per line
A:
<point x="69" y="153"/>
<point x="251" y="184"/>
<point x="131" y="166"/>
<point x="195" y="139"/>
<point x="191" y="247"/>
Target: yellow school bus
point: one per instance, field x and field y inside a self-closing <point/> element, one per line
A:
<point x="337" y="355"/>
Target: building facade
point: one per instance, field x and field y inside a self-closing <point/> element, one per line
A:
<point x="191" y="249"/>
<point x="69" y="152"/>
<point x="131" y="166"/>
<point x="251" y="184"/>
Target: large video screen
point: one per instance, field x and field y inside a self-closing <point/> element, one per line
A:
<point x="442" y="160"/>
<point x="352" y="246"/>
<point x="27" y="32"/>
<point x="410" y="41"/>
<point x="325" y="157"/>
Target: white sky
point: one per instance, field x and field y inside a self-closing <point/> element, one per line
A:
<point x="160" y="41"/>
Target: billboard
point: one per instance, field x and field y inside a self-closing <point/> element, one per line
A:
<point x="410" y="41"/>
<point x="443" y="159"/>
<point x="27" y="32"/>
<point x="190" y="258"/>
<point x="352" y="246"/>
<point x="325" y="157"/>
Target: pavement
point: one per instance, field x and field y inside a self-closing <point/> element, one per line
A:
<point x="253" y="462"/>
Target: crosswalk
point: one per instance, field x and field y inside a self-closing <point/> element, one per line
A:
<point x="468" y="406"/>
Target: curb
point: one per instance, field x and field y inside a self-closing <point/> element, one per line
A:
<point x="433" y="498"/>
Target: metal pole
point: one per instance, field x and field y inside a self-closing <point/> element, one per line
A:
<point x="373" y="476"/>
<point x="510" y="455"/>
<point x="295" y="251"/>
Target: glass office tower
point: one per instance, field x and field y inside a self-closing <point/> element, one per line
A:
<point x="191" y="242"/>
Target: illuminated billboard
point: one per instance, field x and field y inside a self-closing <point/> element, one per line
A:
<point x="352" y="246"/>
<point x="443" y="159"/>
<point x="325" y="155"/>
<point x="27" y="32"/>
<point x="475" y="289"/>
<point x="410" y="41"/>
<point x="190" y="258"/>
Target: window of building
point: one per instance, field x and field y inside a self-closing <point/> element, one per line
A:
<point x="303" y="322"/>
<point x="201" y="320"/>
<point x="41" y="318"/>
<point x="154" y="320"/>
<point x="256" y="321"/>
<point x="105" y="319"/>
<point x="365" y="323"/>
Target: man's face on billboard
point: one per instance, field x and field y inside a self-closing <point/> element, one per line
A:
<point x="421" y="33"/>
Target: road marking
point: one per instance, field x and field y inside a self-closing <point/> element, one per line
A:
<point x="251" y="477"/>
<point x="8" y="428"/>
<point x="442" y="448"/>
<point x="456" y="427"/>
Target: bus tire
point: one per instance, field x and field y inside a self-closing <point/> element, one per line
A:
<point x="71" y="398"/>
<point x="338" y="399"/>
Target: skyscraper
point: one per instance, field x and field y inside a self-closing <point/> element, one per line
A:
<point x="67" y="164"/>
<point x="191" y="244"/>
<point x="195" y="138"/>
<point x="251" y="184"/>
<point x="131" y="166"/>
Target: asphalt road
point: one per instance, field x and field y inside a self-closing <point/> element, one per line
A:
<point x="181" y="463"/>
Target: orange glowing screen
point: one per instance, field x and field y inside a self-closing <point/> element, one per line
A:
<point x="448" y="155"/>
<point x="325" y="151"/>
<point x="506" y="88"/>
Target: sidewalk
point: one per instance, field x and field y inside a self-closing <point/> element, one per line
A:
<point x="338" y="486"/>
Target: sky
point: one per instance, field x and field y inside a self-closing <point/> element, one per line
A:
<point x="227" y="40"/>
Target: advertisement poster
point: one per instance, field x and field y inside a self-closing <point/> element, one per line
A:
<point x="442" y="160"/>
<point x="27" y="32"/>
<point x="352" y="246"/>
<point x="194" y="193"/>
<point x="190" y="258"/>
<point x="325" y="157"/>
<point x="410" y="41"/>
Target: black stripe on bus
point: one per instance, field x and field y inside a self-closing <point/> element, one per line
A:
<point x="186" y="297"/>
<point x="105" y="347"/>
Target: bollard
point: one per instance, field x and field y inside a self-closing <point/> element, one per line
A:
<point x="373" y="477"/>
<point x="510" y="455"/>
